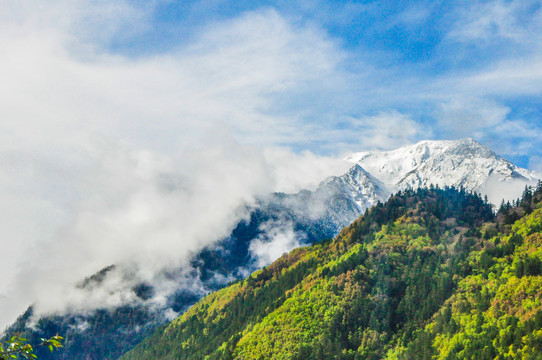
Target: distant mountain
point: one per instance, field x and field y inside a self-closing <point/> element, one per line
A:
<point x="307" y="217"/>
<point x="460" y="163"/>
<point x="430" y="274"/>
<point x="375" y="175"/>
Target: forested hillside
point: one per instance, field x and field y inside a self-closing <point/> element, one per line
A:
<point x="107" y="333"/>
<point x="430" y="273"/>
<point x="305" y="217"/>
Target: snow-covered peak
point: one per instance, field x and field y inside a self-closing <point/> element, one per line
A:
<point x="463" y="162"/>
<point x="375" y="175"/>
<point x="408" y="158"/>
<point x="365" y="189"/>
<point x="421" y="150"/>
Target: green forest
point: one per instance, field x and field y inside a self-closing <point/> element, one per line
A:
<point x="430" y="274"/>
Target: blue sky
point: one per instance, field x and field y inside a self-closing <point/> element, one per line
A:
<point x="426" y="61"/>
<point x="443" y="69"/>
<point x="122" y="122"/>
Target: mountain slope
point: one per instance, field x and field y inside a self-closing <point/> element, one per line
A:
<point x="309" y="215"/>
<point x="496" y="311"/>
<point x="403" y="281"/>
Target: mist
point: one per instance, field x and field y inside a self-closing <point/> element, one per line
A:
<point x="277" y="237"/>
<point x="147" y="214"/>
<point x="498" y="190"/>
<point x="141" y="162"/>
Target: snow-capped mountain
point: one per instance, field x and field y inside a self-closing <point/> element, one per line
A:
<point x="364" y="188"/>
<point x="460" y="163"/>
<point x="376" y="175"/>
<point x="309" y="216"/>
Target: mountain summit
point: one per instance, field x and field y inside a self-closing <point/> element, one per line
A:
<point x="459" y="163"/>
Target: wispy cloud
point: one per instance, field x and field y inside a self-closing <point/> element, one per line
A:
<point x="462" y="117"/>
<point x="388" y="130"/>
<point x="489" y="20"/>
<point x="111" y="160"/>
<point x="277" y="238"/>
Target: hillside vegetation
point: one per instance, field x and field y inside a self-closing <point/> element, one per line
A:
<point x="107" y="333"/>
<point x="431" y="273"/>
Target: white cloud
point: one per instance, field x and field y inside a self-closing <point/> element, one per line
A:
<point x="508" y="77"/>
<point x="305" y="170"/>
<point x="486" y="20"/>
<point x="84" y="24"/>
<point x="497" y="190"/>
<point x="535" y="164"/>
<point x="462" y="117"/>
<point x="387" y="130"/>
<point x="278" y="237"/>
<point x="488" y="121"/>
<point x="234" y="73"/>
<point x="499" y="42"/>
<point x="145" y="213"/>
<point x="110" y="160"/>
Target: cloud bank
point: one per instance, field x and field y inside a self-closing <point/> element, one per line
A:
<point x="277" y="238"/>
<point x="141" y="162"/>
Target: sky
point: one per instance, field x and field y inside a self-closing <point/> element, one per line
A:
<point x="122" y="122"/>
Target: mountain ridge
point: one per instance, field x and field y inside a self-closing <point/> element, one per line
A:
<point x="315" y="215"/>
<point x="434" y="161"/>
<point x="430" y="274"/>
